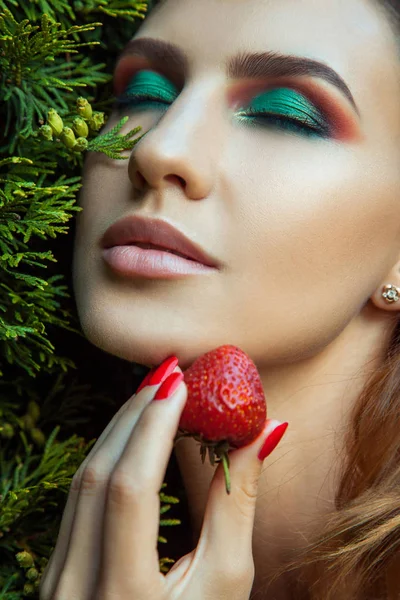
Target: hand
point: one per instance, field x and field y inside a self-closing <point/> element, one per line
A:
<point x="107" y="543"/>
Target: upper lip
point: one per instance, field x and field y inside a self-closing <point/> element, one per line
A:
<point x="133" y="229"/>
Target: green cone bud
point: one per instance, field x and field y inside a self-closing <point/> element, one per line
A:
<point x="83" y="108"/>
<point x="43" y="562"/>
<point x="28" y="590"/>
<point x="27" y="422"/>
<point x="38" y="437"/>
<point x="97" y="121"/>
<point x="55" y="121"/>
<point x="25" y="559"/>
<point x="81" y="145"/>
<point x="68" y="137"/>
<point x="46" y="132"/>
<point x="32" y="574"/>
<point x="34" y="410"/>
<point x="7" y="431"/>
<point x="19" y="193"/>
<point x="80" y="127"/>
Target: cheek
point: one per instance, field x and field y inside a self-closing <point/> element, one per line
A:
<point x="315" y="233"/>
<point x="100" y="199"/>
<point x="106" y="185"/>
<point x="328" y="214"/>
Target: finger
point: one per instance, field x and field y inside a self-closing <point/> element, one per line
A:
<point x="76" y="557"/>
<point x="133" y="504"/>
<point x="51" y="573"/>
<point x="225" y="542"/>
<point x="80" y="570"/>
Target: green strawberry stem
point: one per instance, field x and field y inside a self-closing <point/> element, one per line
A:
<point x="225" y="464"/>
<point x="217" y="452"/>
<point x="221" y="449"/>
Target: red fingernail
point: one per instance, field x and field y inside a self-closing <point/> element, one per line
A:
<point x="159" y="374"/>
<point x="145" y="381"/>
<point x="163" y="371"/>
<point x="169" y="386"/>
<point x="272" y="441"/>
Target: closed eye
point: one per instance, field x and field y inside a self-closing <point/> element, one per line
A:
<point x="295" y="125"/>
<point x="283" y="108"/>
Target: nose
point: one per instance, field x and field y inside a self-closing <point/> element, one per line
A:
<point x="183" y="147"/>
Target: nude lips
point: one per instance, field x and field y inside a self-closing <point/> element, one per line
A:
<point x="157" y="264"/>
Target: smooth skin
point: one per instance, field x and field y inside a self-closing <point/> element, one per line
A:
<point x="107" y="544"/>
<point x="307" y="231"/>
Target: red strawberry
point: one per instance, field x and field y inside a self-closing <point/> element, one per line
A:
<point x="226" y="407"/>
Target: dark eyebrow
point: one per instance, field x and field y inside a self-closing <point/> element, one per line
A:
<point x="253" y="65"/>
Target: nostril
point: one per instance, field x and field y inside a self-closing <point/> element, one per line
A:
<point x="141" y="182"/>
<point x="176" y="179"/>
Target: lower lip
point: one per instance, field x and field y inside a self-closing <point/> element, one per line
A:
<point x="134" y="261"/>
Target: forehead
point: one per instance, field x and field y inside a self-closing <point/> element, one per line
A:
<point x="330" y="29"/>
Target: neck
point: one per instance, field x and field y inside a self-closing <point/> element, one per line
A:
<point x="299" y="480"/>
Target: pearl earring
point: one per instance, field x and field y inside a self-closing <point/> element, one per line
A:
<point x="391" y="293"/>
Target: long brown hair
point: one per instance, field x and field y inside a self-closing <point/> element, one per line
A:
<point x="357" y="555"/>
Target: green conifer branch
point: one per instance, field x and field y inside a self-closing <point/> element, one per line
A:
<point x="66" y="12"/>
<point x="41" y="69"/>
<point x="25" y="45"/>
<point x="28" y="83"/>
<point x="28" y="302"/>
<point x="41" y="210"/>
<point x="25" y="169"/>
<point x="33" y="10"/>
<point x="121" y="8"/>
<point x="170" y="499"/>
<point x="163" y="564"/>
<point x="31" y="474"/>
<point x="169" y="522"/>
<point x="27" y="345"/>
<point x="112" y="143"/>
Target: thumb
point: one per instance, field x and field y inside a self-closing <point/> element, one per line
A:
<point x="229" y="519"/>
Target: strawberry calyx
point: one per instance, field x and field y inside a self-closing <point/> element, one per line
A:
<point x="217" y="452"/>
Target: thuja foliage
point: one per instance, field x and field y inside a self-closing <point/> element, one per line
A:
<point x="56" y="59"/>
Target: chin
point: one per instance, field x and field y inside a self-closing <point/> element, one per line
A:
<point x="142" y="344"/>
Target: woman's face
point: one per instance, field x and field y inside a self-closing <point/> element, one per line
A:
<point x="305" y="223"/>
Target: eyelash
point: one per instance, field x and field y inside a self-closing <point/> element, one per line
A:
<point x="254" y="117"/>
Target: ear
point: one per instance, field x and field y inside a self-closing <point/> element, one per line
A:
<point x="392" y="278"/>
